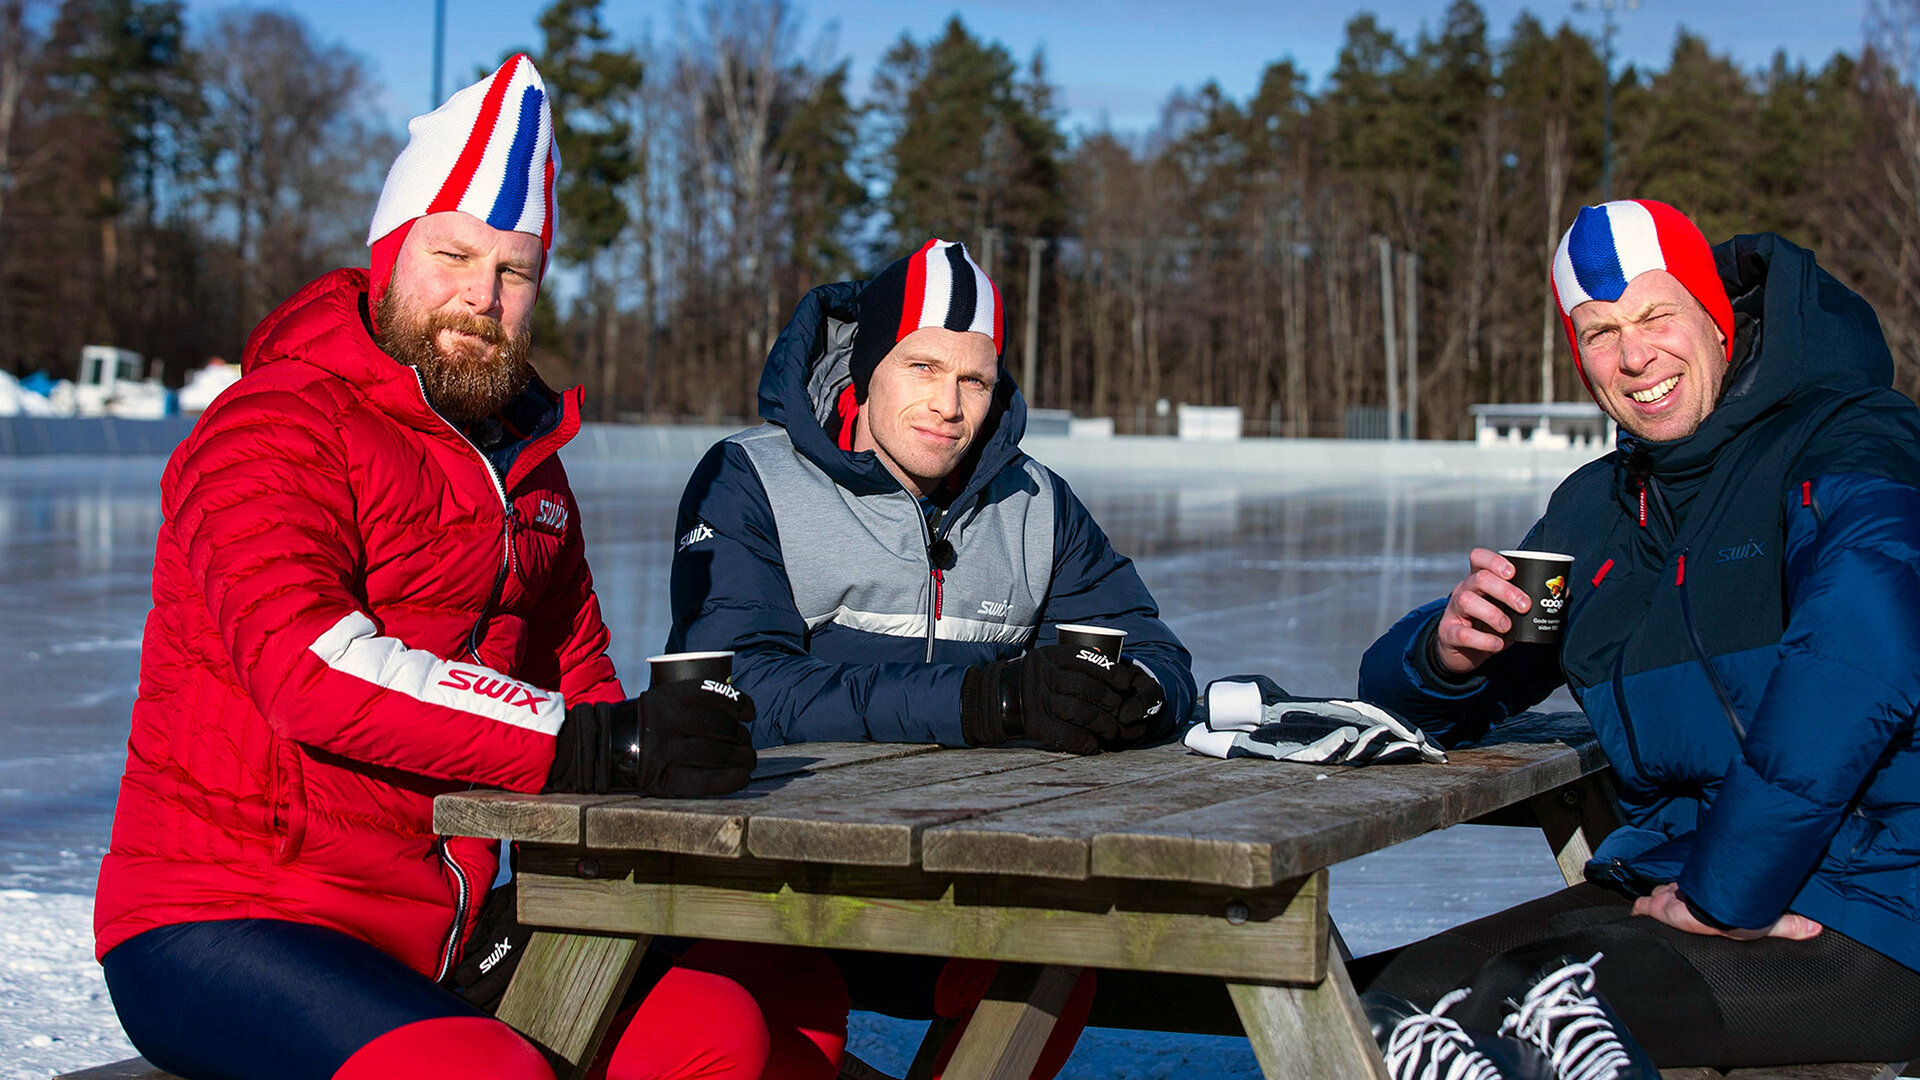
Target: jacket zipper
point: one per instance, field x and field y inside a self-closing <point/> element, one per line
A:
<point x="459" y="911"/>
<point x="1700" y="653"/>
<point x="507" y="560"/>
<point x="1626" y="714"/>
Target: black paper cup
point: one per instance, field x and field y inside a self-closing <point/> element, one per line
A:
<point x="1542" y="575"/>
<point x="682" y="666"/>
<point x="1101" y="639"/>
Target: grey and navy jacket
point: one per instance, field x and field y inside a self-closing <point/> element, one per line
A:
<point x="1744" y="626"/>
<point x="852" y="618"/>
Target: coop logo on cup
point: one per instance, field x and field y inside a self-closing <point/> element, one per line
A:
<point x="1093" y="656"/>
<point x="725" y="690"/>
<point x="1556" y="597"/>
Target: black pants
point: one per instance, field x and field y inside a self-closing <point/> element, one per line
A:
<point x="1689" y="999"/>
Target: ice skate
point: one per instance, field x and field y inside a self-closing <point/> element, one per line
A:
<point x="1575" y="1028"/>
<point x="1432" y="1046"/>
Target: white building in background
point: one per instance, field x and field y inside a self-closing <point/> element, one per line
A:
<point x="114" y="382"/>
<point x="1546" y="425"/>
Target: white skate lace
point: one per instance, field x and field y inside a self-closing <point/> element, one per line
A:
<point x="1429" y="1046"/>
<point x="1562" y="1018"/>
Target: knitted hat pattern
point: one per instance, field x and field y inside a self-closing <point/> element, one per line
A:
<point x="938" y="285"/>
<point x="488" y="152"/>
<point x="1611" y="244"/>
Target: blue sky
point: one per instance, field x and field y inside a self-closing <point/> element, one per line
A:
<point x="1115" y="60"/>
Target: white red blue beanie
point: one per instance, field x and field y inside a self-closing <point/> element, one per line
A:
<point x="938" y="285"/>
<point x="488" y="152"/>
<point x="1611" y="244"/>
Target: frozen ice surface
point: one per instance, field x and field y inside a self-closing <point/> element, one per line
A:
<point x="1287" y="575"/>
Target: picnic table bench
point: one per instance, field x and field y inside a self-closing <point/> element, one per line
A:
<point x="1197" y="886"/>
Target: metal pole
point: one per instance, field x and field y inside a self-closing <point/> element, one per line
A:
<point x="439" y="48"/>
<point x="1030" y="370"/>
<point x="1410" y="271"/>
<point x="1387" y="336"/>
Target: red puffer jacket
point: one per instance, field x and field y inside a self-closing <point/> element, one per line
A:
<point x="351" y="614"/>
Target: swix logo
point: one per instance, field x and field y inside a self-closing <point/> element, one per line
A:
<point x="1740" y="551"/>
<point x="498" y="954"/>
<point x="723" y="689"/>
<point x="552" y="516"/>
<point x="1094" y="657"/>
<point x="699" y="532"/>
<point x="994" y="609"/>
<point x="487" y="685"/>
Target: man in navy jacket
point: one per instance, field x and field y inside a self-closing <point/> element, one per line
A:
<point x="1743" y="632"/>
<point x="884" y="561"/>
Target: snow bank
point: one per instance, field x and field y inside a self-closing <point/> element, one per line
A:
<point x="54" y="1012"/>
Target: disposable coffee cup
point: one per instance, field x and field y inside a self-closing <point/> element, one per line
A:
<point x="1101" y="639"/>
<point x="684" y="666"/>
<point x="1542" y="575"/>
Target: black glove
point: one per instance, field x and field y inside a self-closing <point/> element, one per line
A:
<point x="493" y="951"/>
<point x="1056" y="698"/>
<point x="680" y="740"/>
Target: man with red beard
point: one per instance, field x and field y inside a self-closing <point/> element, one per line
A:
<point x="370" y="588"/>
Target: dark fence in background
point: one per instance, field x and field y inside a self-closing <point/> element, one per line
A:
<point x="91" y="436"/>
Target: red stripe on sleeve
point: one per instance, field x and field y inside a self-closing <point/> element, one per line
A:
<point x="455" y="188"/>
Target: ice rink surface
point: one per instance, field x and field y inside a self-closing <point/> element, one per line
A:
<point x="1285" y="575"/>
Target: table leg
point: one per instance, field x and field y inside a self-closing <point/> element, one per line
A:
<point x="565" y="992"/>
<point x="1576" y="817"/>
<point x="1011" y="1024"/>
<point x="1309" y="1032"/>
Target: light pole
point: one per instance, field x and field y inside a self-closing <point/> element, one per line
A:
<point x="440" y="48"/>
<point x="1607" y="28"/>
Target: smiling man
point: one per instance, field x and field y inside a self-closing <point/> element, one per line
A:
<point x="1743" y="632"/>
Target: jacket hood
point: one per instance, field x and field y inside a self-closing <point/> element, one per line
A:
<point x="1796" y="330"/>
<point x="807" y="371"/>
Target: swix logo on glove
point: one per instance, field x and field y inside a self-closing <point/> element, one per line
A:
<point x="486" y="684"/>
<point x="1094" y="657"/>
<point x="723" y="689"/>
<point x="498" y="954"/>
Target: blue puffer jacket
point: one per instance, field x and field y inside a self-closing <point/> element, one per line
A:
<point x="851" y="617"/>
<point x="1747" y="646"/>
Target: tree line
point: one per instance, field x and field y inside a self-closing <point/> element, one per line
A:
<point x="161" y="190"/>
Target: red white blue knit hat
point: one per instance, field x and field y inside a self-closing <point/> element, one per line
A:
<point x="1611" y="244"/>
<point x="488" y="152"/>
<point x="938" y="285"/>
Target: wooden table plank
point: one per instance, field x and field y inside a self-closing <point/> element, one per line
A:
<point x="560" y="819"/>
<point x="1055" y="839"/>
<point x="883" y="828"/>
<point x="1274" y="934"/>
<point x="1283" y="833"/>
<point x="718" y="826"/>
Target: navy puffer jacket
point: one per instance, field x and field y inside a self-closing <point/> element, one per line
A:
<point x="1747" y="646"/>
<point x="851" y="615"/>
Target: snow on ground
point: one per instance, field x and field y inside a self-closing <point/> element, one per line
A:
<point x="1257" y="574"/>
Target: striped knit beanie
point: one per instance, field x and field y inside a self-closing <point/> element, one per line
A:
<point x="939" y="285"/>
<point x="1611" y="244"/>
<point x="488" y="152"/>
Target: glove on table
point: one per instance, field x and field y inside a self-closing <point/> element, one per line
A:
<point x="1253" y="716"/>
<point x="679" y="740"/>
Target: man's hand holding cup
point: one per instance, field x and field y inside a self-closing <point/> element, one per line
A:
<point x="1510" y="596"/>
<point x="686" y="737"/>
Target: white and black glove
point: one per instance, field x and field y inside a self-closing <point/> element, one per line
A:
<point x="1253" y="716"/>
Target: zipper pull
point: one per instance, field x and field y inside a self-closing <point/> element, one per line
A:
<point x="938" y="581"/>
<point x="1643" y="504"/>
<point x="1680" y="573"/>
<point x="1601" y="575"/>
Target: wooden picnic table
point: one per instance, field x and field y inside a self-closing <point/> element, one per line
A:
<point x="1180" y="875"/>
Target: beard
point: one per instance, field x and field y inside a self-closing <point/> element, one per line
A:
<point x="468" y="380"/>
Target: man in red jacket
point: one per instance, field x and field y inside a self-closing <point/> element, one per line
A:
<point x="370" y="588"/>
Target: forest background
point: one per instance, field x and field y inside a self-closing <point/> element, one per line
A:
<point x="162" y="188"/>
